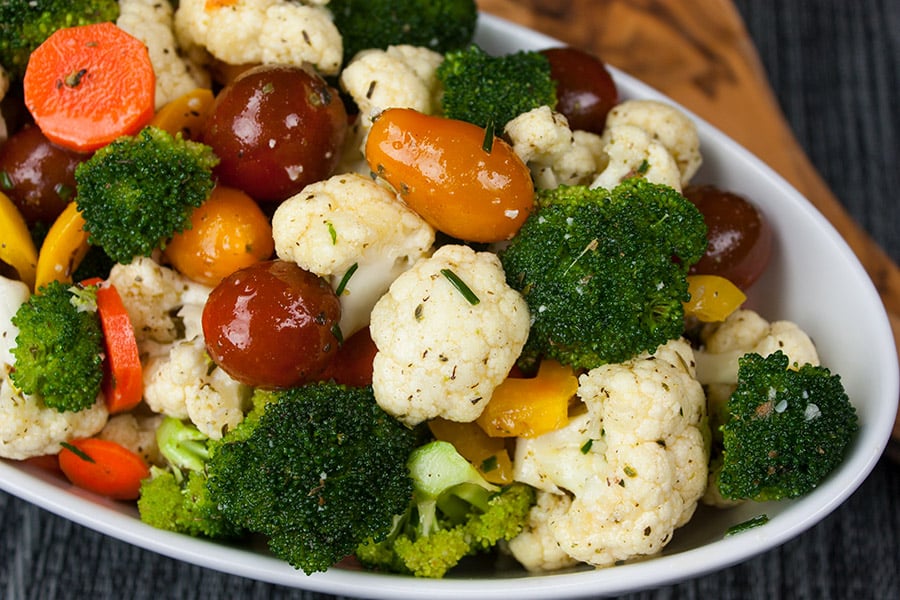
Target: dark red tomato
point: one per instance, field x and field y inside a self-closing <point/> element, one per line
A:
<point x="37" y="175"/>
<point x="270" y="325"/>
<point x="276" y="129"/>
<point x="352" y="365"/>
<point x="585" y="90"/>
<point x="740" y="237"/>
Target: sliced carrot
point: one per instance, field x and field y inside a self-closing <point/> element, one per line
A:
<point x="85" y="86"/>
<point x="103" y="467"/>
<point x="63" y="249"/>
<point x="123" y="376"/>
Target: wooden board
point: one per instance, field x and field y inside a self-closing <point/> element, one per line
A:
<point x="700" y="54"/>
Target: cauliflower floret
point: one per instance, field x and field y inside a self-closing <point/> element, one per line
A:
<point x="184" y="385"/>
<point x="152" y="295"/>
<point x="137" y="433"/>
<point x="667" y="125"/>
<point x="261" y="31"/>
<point x="535" y="547"/>
<point x="152" y="22"/>
<point x="441" y="353"/>
<point x="555" y="154"/>
<point x="351" y="222"/>
<point x="746" y="331"/>
<point x="640" y="459"/>
<point x="631" y="150"/>
<point x="28" y="427"/>
<point x="400" y="76"/>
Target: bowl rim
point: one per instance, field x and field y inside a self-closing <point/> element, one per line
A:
<point x="119" y="521"/>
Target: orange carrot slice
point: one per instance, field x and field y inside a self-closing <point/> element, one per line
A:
<point x="103" y="467"/>
<point x="87" y="85"/>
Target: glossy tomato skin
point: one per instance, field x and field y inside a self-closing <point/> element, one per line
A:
<point x="271" y="325"/>
<point x="37" y="175"/>
<point x="276" y="129"/>
<point x="585" y="89"/>
<point x="740" y="237"/>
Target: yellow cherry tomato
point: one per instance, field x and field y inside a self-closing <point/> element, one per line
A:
<point x="16" y="246"/>
<point x="63" y="249"/>
<point x="185" y="114"/>
<point x="713" y="298"/>
<point x="487" y="454"/>
<point x="460" y="178"/>
<point x="228" y="232"/>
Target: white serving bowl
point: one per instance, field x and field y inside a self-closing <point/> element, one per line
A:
<point x="814" y="280"/>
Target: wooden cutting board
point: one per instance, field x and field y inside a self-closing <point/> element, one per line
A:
<point x="700" y="54"/>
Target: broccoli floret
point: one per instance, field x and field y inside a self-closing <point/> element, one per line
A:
<point x="440" y="25"/>
<point x="604" y="273"/>
<point x="176" y="498"/>
<point x="493" y="90"/>
<point x="322" y="469"/>
<point x="138" y="191"/>
<point x="59" y="348"/>
<point x="454" y="513"/>
<point x="25" y="24"/>
<point x="787" y="429"/>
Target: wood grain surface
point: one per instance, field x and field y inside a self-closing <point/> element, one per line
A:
<point x="699" y="54"/>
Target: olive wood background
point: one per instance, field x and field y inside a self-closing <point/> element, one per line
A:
<point x="699" y="54"/>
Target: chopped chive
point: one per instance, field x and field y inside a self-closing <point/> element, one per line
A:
<point x="489" y="464"/>
<point x="643" y="167"/>
<point x="630" y="471"/>
<point x="748" y="524"/>
<point x="77" y="452"/>
<point x="6" y="181"/>
<point x="586" y="447"/>
<point x="337" y="333"/>
<point x="346" y="279"/>
<point x="332" y="232"/>
<point x="488" y="144"/>
<point x="461" y="286"/>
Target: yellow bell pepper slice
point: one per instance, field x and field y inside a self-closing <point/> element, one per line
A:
<point x="63" y="249"/>
<point x="17" y="248"/>
<point x="713" y="298"/>
<point x="529" y="407"/>
<point x="185" y="114"/>
<point x="488" y="455"/>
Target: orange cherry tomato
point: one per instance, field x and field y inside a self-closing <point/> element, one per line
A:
<point x="228" y="232"/>
<point x="713" y="298"/>
<point x="461" y="179"/>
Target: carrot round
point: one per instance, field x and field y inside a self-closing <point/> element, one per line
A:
<point x="103" y="467"/>
<point x="122" y="384"/>
<point x="87" y="85"/>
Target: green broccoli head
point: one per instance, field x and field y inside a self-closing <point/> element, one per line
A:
<point x="604" y="273"/>
<point x="25" y="24"/>
<point x="454" y="513"/>
<point x="59" y="348"/>
<point x="492" y="90"/>
<point x="440" y="25"/>
<point x="180" y="502"/>
<point x="323" y="469"/>
<point x="138" y="191"/>
<point x="787" y="429"/>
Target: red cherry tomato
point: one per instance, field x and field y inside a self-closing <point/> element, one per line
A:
<point x="352" y="365"/>
<point x="585" y="90"/>
<point x="740" y="237"/>
<point x="271" y="324"/>
<point x="276" y="129"/>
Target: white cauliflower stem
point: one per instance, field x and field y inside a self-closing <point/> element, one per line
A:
<point x="261" y="31"/>
<point x="628" y="471"/>
<point x="350" y="225"/>
<point x="152" y="22"/>
<point x="447" y="332"/>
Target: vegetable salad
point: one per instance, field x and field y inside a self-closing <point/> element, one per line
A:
<point x="329" y="273"/>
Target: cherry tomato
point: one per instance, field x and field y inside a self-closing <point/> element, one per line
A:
<point x="37" y="175"/>
<point x="352" y="365"/>
<point x="443" y="171"/>
<point x="585" y="89"/>
<point x="228" y="232"/>
<point x="276" y="129"/>
<point x="740" y="237"/>
<point x="271" y="325"/>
